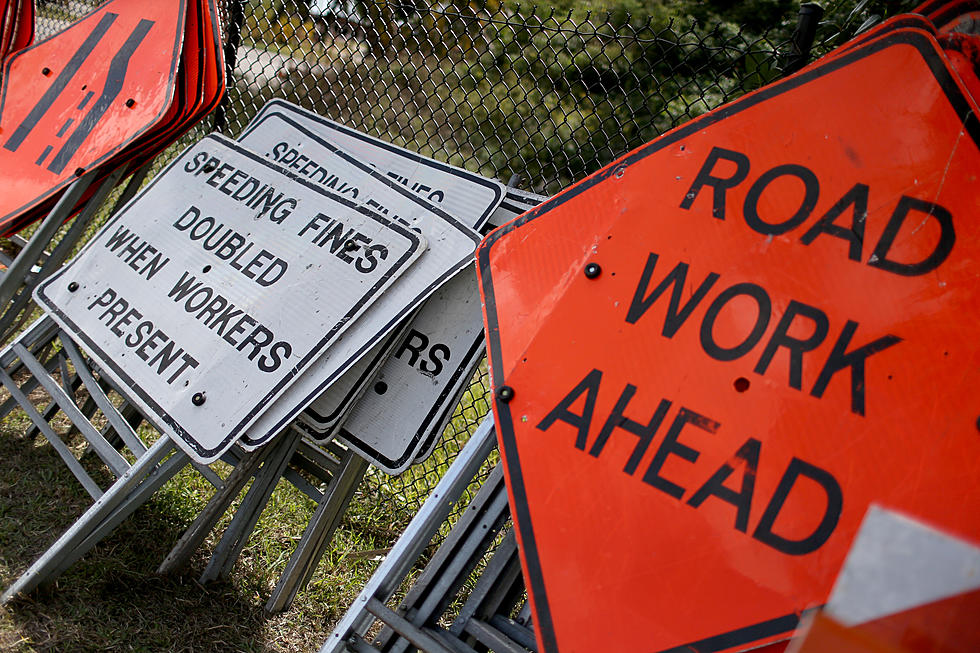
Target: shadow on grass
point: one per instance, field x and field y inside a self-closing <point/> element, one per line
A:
<point x="110" y="599"/>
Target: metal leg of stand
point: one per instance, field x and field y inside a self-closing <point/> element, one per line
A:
<point x="59" y="446"/>
<point x="236" y="535"/>
<point x="452" y="564"/>
<point x="196" y="533"/>
<point x="94" y="524"/>
<point x="28" y="256"/>
<point x="112" y="458"/>
<point x="16" y="312"/>
<point x="134" y="500"/>
<point x="329" y="513"/>
<point x="97" y="394"/>
<point x="413" y="541"/>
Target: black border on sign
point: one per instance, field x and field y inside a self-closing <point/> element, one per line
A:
<point x="505" y="426"/>
<point x="495" y="186"/>
<point x="264" y="402"/>
<point x="426" y="433"/>
<point x="391" y="324"/>
<point x="9" y="218"/>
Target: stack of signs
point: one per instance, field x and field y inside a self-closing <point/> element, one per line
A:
<point x="713" y="355"/>
<point x="392" y="396"/>
<point x="112" y="89"/>
<point x="212" y="292"/>
<point x="16" y="26"/>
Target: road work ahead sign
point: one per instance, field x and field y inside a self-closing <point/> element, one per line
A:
<point x="214" y="289"/>
<point x="713" y="355"/>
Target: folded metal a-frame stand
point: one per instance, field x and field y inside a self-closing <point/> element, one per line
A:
<point x="46" y="357"/>
<point x="494" y="615"/>
<point x="34" y="262"/>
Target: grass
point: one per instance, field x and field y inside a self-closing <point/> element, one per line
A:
<point x="112" y="599"/>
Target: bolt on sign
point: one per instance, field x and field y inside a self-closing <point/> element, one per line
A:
<point x="279" y="137"/>
<point x="712" y="356"/>
<point x="72" y="101"/>
<point x="208" y="295"/>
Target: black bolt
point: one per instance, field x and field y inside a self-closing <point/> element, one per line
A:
<point x="130" y="103"/>
<point x="210" y="167"/>
<point x="73" y="286"/>
<point x="505" y="393"/>
<point x="45" y="71"/>
<point x="592" y="270"/>
<point x="350" y="246"/>
<point x="79" y="172"/>
<point x="198" y="399"/>
<point x="381" y="387"/>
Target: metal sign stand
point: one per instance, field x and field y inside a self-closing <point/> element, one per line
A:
<point x="35" y="352"/>
<point x="32" y="264"/>
<point x="341" y="469"/>
<point x="485" y="616"/>
<point x="447" y="570"/>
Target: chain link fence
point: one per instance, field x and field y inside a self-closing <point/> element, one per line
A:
<point x="539" y="97"/>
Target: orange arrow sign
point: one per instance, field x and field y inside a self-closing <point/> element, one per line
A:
<point x="72" y="101"/>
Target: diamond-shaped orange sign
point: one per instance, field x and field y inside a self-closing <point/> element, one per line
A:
<point x="711" y="356"/>
<point x="72" y="101"/>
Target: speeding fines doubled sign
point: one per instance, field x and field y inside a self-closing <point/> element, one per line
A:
<point x="212" y="291"/>
<point x="712" y="356"/>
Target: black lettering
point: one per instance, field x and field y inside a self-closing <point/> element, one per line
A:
<point x="856" y="197"/>
<point x="142" y="330"/>
<point x="582" y="422"/>
<point x="120" y="238"/>
<point x="368" y="262"/>
<point x="151" y="344"/>
<point x="796" y="346"/>
<point x="185" y="285"/>
<point x="835" y="502"/>
<point x="437" y="364"/>
<point x="715" y="486"/>
<point x="947" y="237"/>
<point x="193" y="213"/>
<point x="676" y="315"/>
<point x="259" y="338"/>
<point x="720" y="185"/>
<point x="711" y="347"/>
<point x="414" y="344"/>
<point x="106" y="298"/>
<point x="645" y="433"/>
<point x="840" y="359"/>
<point x="672" y="447"/>
<point x="277" y="353"/>
<point x="750" y="209"/>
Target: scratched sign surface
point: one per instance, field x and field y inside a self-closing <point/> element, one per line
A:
<point x="207" y="295"/>
<point x="72" y="101"/>
<point x="781" y="330"/>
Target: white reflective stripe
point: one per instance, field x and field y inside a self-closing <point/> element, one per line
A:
<point x="897" y="563"/>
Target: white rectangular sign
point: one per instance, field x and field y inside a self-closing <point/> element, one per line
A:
<point x="468" y="197"/>
<point x="399" y="420"/>
<point x="451" y="245"/>
<point x="410" y="401"/>
<point x="210" y="294"/>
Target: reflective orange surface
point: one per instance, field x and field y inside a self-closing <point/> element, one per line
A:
<point x="783" y="329"/>
<point x="72" y="101"/>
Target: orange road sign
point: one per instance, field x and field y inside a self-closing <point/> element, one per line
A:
<point x="73" y="101"/>
<point x="711" y="356"/>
